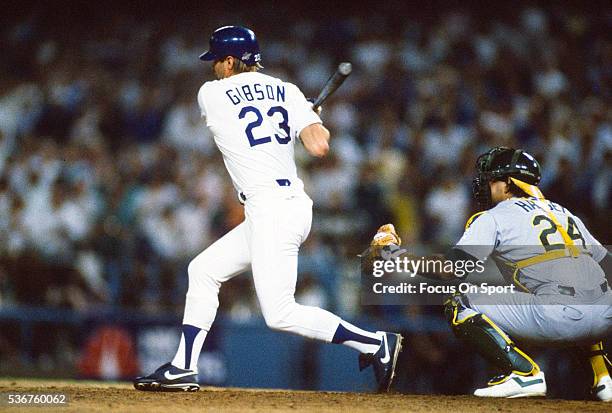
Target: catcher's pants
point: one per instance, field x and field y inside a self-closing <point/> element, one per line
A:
<point x="551" y="319"/>
<point x="276" y="223"/>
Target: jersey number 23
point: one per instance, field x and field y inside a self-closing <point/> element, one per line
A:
<point x="274" y="110"/>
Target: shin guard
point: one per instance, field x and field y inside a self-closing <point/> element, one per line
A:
<point x="487" y="338"/>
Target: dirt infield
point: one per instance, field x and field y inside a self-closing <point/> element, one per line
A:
<point x="103" y="397"/>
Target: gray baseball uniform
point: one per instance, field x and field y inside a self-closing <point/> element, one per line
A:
<point x="562" y="293"/>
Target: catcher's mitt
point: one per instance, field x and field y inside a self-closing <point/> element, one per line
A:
<point x="385" y="243"/>
<point x="386" y="235"/>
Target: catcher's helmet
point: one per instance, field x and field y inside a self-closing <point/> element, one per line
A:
<point x="236" y="41"/>
<point x="500" y="164"/>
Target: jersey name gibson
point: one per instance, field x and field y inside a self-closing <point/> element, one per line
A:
<point x="256" y="91"/>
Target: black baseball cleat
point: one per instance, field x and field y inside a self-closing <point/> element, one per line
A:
<point x="384" y="360"/>
<point x="168" y="378"/>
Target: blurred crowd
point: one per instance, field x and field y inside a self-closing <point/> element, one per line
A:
<point x="110" y="182"/>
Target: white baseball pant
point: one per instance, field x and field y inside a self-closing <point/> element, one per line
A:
<point x="275" y="226"/>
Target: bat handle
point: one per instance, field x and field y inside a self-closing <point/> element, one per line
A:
<point x="316" y="107"/>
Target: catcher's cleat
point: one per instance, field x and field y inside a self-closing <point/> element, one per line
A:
<point x="168" y="378"/>
<point x="513" y="386"/>
<point x="603" y="389"/>
<point x="384" y="360"/>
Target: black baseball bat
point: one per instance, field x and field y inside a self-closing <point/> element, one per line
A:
<point x="334" y="82"/>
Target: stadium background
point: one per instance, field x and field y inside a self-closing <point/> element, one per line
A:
<point x="109" y="183"/>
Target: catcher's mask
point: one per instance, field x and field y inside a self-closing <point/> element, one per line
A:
<point x="513" y="166"/>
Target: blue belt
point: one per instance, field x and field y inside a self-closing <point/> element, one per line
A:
<point x="280" y="182"/>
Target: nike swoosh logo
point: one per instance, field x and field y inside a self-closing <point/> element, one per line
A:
<point x="387" y="356"/>
<point x="171" y="376"/>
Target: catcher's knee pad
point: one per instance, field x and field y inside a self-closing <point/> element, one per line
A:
<point x="457" y="307"/>
<point x="487" y="338"/>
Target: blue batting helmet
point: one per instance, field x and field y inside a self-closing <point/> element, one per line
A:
<point x="236" y="41"/>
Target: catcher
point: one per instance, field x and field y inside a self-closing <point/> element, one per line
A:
<point x="548" y="254"/>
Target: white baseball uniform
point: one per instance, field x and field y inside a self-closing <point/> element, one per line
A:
<point x="256" y="120"/>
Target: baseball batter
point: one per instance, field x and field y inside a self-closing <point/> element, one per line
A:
<point x="256" y="120"/>
<point x="551" y="258"/>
